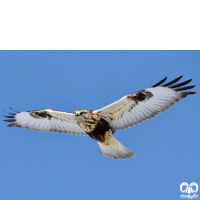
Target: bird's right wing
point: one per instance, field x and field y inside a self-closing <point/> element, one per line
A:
<point x="46" y="121"/>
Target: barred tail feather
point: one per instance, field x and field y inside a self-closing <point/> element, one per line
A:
<point x="115" y="150"/>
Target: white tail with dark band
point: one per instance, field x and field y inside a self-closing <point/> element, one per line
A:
<point x="115" y="149"/>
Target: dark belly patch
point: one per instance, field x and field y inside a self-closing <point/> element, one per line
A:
<point x="100" y="130"/>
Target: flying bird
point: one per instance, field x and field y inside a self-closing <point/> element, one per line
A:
<point x="101" y="124"/>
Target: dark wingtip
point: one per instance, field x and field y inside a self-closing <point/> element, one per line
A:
<point x="185" y="94"/>
<point x="192" y="92"/>
<point x="172" y="82"/>
<point x="8" y="116"/>
<point x="180" y="84"/>
<point x="14" y="110"/>
<point x="185" y="88"/>
<point x="159" y="83"/>
<point x="10" y="113"/>
<point x="9" y="120"/>
<point x="11" y="125"/>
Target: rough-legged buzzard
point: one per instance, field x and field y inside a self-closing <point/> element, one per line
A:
<point x="101" y="124"/>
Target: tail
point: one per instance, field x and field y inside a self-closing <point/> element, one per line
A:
<point x="115" y="149"/>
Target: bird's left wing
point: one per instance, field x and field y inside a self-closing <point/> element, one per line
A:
<point x="46" y="121"/>
<point x="145" y="104"/>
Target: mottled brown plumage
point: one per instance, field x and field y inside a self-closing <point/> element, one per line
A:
<point x="96" y="127"/>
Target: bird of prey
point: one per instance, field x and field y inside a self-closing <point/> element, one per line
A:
<point x="101" y="124"/>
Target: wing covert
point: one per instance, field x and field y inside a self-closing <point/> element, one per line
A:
<point x="46" y="121"/>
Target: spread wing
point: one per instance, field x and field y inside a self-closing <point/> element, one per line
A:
<point x="145" y="104"/>
<point x="46" y="121"/>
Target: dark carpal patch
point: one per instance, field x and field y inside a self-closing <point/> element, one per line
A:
<point x="100" y="130"/>
<point x="140" y="96"/>
<point x="42" y="114"/>
<point x="143" y="95"/>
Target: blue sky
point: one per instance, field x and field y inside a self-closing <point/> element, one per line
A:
<point x="36" y="165"/>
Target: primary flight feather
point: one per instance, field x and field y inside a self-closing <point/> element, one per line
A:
<point x="101" y="124"/>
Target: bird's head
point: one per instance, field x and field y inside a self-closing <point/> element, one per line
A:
<point x="86" y="114"/>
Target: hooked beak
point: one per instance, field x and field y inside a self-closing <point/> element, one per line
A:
<point x="77" y="114"/>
